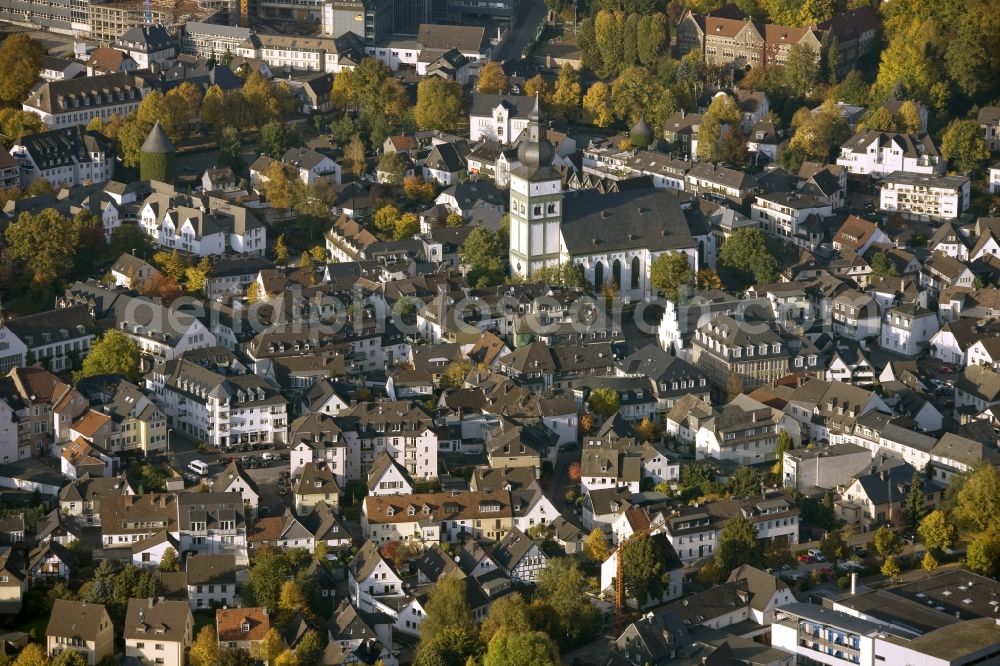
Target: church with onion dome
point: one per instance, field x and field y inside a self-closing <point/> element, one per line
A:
<point x="613" y="237"/>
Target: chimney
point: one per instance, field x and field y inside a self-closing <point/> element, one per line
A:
<point x="854" y="583"/>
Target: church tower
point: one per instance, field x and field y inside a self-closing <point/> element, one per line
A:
<point x="536" y="201"/>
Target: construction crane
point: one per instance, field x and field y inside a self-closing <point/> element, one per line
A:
<point x="620" y="579"/>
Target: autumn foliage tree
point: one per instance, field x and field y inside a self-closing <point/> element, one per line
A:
<point x="492" y="79"/>
<point x="573" y="472"/>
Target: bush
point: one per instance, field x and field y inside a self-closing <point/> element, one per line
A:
<point x="843" y="582"/>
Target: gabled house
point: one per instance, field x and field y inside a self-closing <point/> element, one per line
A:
<point x="213" y="523"/>
<point x="211" y="580"/>
<point x="388" y="477"/>
<point x="234" y="479"/>
<point x="371" y="576"/>
<point x="158" y="631"/>
<point x="241" y="628"/>
<point x="520" y="557"/>
<point x="316" y="483"/>
<point x="83" y="627"/>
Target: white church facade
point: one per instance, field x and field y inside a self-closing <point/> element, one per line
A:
<point x="614" y="237"/>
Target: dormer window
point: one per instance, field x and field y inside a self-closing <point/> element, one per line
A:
<point x="245" y="627"/>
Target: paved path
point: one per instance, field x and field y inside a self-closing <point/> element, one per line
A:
<point x="532" y="13"/>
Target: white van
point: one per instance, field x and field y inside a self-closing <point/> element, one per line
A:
<point x="198" y="467"/>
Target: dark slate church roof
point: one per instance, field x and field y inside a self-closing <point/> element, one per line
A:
<point x="596" y="223"/>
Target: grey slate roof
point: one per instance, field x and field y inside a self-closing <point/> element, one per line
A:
<point x="595" y="223"/>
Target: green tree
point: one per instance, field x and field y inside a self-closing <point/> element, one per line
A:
<point x="293" y="601"/>
<point x="597" y="104"/>
<point x="653" y="34"/>
<point x="277" y="137"/>
<point x="483" y="255"/>
<point x="784" y="444"/>
<point x="131" y="135"/>
<point x="270" y="646"/>
<point x="978" y="501"/>
<point x="834" y="545"/>
<point x="45" y="242"/>
<point x="745" y="258"/>
<point x="20" y="65"/>
<point x="439" y="104"/>
<point x="114" y="353"/>
<point x="268" y="572"/>
<point x="391" y="168"/>
<point x="168" y="562"/>
<point x="595" y="546"/>
<point x="722" y="110"/>
<point x="671" y="271"/>
<point x="231" y="149"/>
<point x="609" y="27"/>
<point x="130" y="238"/>
<point x="205" y="649"/>
<point x="492" y="79"/>
<point x="452" y="646"/>
<point x="744" y="482"/>
<point x="963" y="144"/>
<point x="929" y="563"/>
<point x="636" y="92"/>
<point x="603" y="401"/>
<point x="935" y="532"/>
<point x="16" y="123"/>
<point x="890" y="568"/>
<point x="907" y="62"/>
<point x="213" y="107"/>
<point x="821" y="133"/>
<point x="565" y="98"/>
<point x="521" y="649"/>
<point x="32" y="654"/>
<point x="406" y="226"/>
<point x="886" y="542"/>
<point x="590" y="52"/>
<point x="281" y="185"/>
<point x="538" y="86"/>
<point x="801" y="71"/>
<point x="509" y="614"/>
<point x="566" y="274"/>
<point x="354" y="155"/>
<point x="908" y="118"/>
<point x="914" y="506"/>
<point x="982" y="554"/>
<point x="309" y="651"/>
<point x="286" y="658"/>
<point x="733" y="149"/>
<point x="882" y="266"/>
<point x="446" y="608"/>
<point x="879" y="119"/>
<point x="70" y="658"/>
<point x="385" y="219"/>
<point x="280" y="251"/>
<point x="643" y="572"/>
<point x="738" y="544"/>
<point x="569" y="615"/>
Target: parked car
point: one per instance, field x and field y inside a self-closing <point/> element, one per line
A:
<point x="267" y="456"/>
<point x="851" y="565"/>
<point x="806" y="558"/>
<point x="817" y="555"/>
<point x="860" y="551"/>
